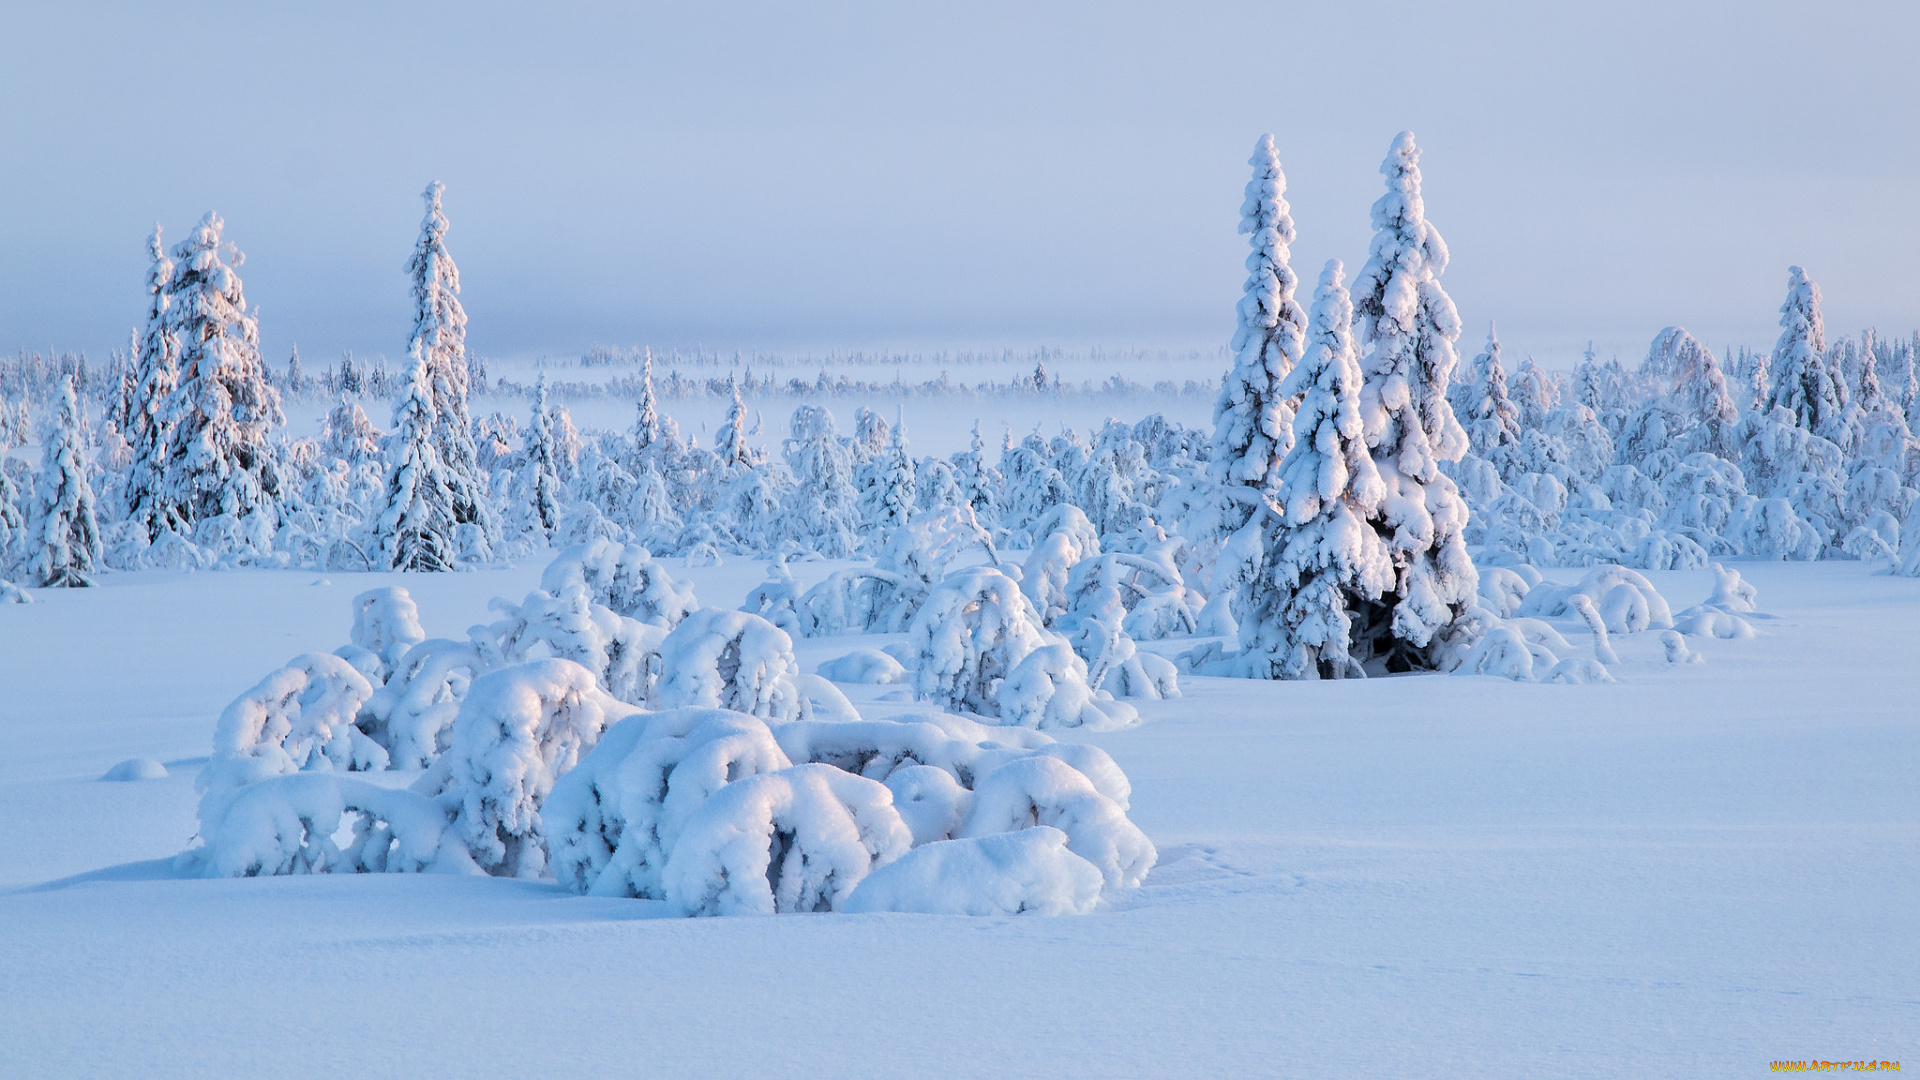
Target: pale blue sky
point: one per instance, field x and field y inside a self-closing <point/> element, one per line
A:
<point x="815" y="175"/>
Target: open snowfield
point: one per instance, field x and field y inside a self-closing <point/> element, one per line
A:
<point x="1692" y="872"/>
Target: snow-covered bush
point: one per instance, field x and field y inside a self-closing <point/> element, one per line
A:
<point x="729" y="660"/>
<point x="1043" y="790"/>
<point x="621" y="652"/>
<point x="386" y="623"/>
<point x="1621" y="595"/>
<point x="612" y="821"/>
<point x="519" y="729"/>
<point x="623" y="577"/>
<point x="1049" y="688"/>
<point x="299" y="717"/>
<point x="796" y="840"/>
<point x="776" y="598"/>
<point x="287" y="825"/>
<point x="968" y="636"/>
<point x="1065" y="537"/>
<point x="412" y="713"/>
<point x="859" y="600"/>
<point x="1114" y="663"/>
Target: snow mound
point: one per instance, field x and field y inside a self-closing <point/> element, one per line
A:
<point x="869" y="667"/>
<point x="140" y="768"/>
<point x="1025" y="872"/>
<point x="13" y="594"/>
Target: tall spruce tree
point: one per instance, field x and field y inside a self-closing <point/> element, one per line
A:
<point x="156" y="371"/>
<point x="1324" y="558"/>
<point x="542" y="471"/>
<point x="440" y="335"/>
<point x="219" y="419"/>
<point x="645" y="436"/>
<point x="1408" y="326"/>
<point x="1804" y="383"/>
<point x="1253" y="420"/>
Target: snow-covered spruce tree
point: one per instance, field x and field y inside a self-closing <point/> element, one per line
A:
<point x="1252" y="421"/>
<point x="66" y="538"/>
<point x="822" y="509"/>
<point x="1804" y="383"/>
<point x="219" y="456"/>
<point x="1408" y="325"/>
<point x="1481" y="401"/>
<point x="13" y="523"/>
<point x="156" y="371"/>
<point x="1534" y="394"/>
<point x="890" y="499"/>
<point x="415" y="530"/>
<point x="645" y="439"/>
<point x="296" y="376"/>
<point x="978" y="484"/>
<point x="440" y="335"/>
<point x="730" y="442"/>
<point x="1707" y="412"/>
<point x="1324" y="557"/>
<point x="541" y="476"/>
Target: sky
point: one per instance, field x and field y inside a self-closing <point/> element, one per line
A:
<point x="918" y="176"/>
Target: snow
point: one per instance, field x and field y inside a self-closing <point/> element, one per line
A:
<point x="1697" y="868"/>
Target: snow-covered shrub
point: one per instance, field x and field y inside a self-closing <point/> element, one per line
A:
<point x="413" y="712"/>
<point x="1027" y="872"/>
<point x="1771" y="528"/>
<point x="1048" y="688"/>
<point x="968" y="636"/>
<point x="1637" y="595"/>
<point x="928" y="543"/>
<point x="1503" y="588"/>
<point x="859" y="600"/>
<point x="1114" y="663"/>
<point x="729" y="660"/>
<point x="1042" y="790"/>
<point x="612" y="821"/>
<point x="1714" y="624"/>
<point x="386" y="623"/>
<point x="622" y="577"/>
<point x="1065" y="537"/>
<point x="1149" y="588"/>
<point x="1502" y="651"/>
<point x="519" y="729"/>
<point x="287" y="825"/>
<point x="796" y="840"/>
<point x="621" y="652"/>
<point x="299" y="717"/>
<point x="864" y="666"/>
<point x="775" y="598"/>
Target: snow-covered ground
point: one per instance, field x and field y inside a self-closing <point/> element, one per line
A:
<point x="1694" y="871"/>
